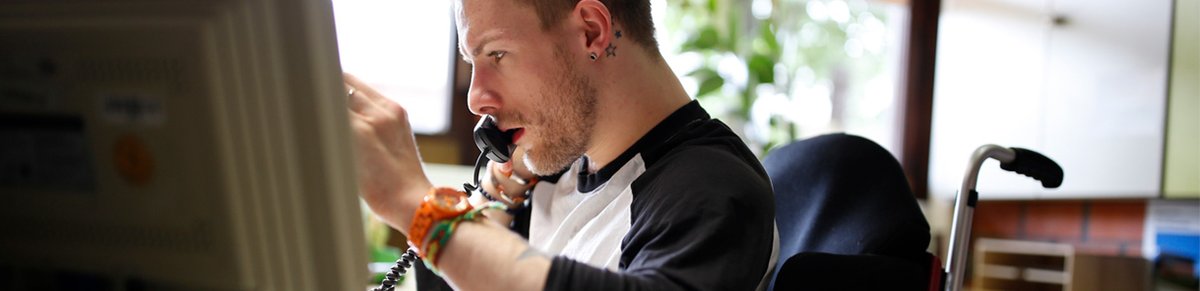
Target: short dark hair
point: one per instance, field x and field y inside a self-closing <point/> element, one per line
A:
<point x="633" y="15"/>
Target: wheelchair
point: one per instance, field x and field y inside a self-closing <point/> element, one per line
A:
<point x="848" y="220"/>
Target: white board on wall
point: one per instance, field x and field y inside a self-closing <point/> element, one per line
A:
<point x="1083" y="82"/>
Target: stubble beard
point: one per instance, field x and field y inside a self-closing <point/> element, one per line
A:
<point x="565" y="122"/>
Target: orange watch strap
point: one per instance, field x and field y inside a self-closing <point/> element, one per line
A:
<point x="439" y="204"/>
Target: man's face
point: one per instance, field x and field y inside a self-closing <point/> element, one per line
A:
<point x="529" y="79"/>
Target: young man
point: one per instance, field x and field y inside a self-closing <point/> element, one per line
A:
<point x="640" y="189"/>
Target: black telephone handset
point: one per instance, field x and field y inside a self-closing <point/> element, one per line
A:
<point x="495" y="145"/>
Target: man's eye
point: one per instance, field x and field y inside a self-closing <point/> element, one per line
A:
<point x="497" y="55"/>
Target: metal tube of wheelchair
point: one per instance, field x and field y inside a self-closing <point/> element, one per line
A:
<point x="964" y="209"/>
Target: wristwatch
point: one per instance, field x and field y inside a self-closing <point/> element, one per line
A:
<point x="441" y="203"/>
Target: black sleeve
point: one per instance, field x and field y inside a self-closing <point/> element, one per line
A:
<point x="706" y="223"/>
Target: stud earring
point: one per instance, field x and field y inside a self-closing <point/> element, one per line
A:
<point x="592" y="56"/>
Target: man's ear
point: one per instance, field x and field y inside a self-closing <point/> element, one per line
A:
<point x="596" y="24"/>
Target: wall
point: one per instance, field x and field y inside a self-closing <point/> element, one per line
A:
<point x="439" y="149"/>
<point x="1182" y="162"/>
<point x="1096" y="227"/>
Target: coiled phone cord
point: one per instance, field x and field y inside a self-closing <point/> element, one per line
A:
<point x="468" y="187"/>
<point x="406" y="261"/>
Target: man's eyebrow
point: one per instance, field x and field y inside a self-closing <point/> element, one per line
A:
<point x="475" y="51"/>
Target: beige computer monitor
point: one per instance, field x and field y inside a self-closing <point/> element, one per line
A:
<point x="175" y="145"/>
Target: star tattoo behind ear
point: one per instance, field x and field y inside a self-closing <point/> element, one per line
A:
<point x="611" y="50"/>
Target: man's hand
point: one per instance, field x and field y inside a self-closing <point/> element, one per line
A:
<point x="484" y="255"/>
<point x="507" y="182"/>
<point x="390" y="176"/>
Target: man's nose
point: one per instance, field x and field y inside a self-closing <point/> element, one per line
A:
<point x="481" y="97"/>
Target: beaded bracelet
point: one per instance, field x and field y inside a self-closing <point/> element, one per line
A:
<point x="514" y="205"/>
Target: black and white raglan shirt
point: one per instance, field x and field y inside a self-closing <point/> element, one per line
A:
<point x="687" y="207"/>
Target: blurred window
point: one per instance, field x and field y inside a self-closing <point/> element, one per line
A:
<point x="397" y="48"/>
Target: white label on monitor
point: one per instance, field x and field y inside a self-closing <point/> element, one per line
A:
<point x="132" y="109"/>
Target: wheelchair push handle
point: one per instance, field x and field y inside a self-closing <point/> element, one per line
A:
<point x="1019" y="160"/>
<point x="1035" y="165"/>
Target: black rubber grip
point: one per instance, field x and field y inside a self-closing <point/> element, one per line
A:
<point x="1037" y="166"/>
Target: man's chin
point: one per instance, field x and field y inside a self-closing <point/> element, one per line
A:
<point x="546" y="166"/>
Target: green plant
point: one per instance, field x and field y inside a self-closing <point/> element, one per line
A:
<point x="777" y="48"/>
<point x="377" y="234"/>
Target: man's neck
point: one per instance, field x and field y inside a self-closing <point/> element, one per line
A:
<point x="637" y="91"/>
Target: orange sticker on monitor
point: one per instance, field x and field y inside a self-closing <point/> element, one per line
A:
<point x="133" y="160"/>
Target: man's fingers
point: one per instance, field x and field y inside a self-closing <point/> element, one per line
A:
<point x="357" y="102"/>
<point x="505" y="168"/>
<point x="360" y="86"/>
<point x="505" y="178"/>
<point x="362" y="128"/>
<point x="365" y="100"/>
<point x="357" y="94"/>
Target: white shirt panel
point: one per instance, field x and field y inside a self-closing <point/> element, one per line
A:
<point x="587" y="227"/>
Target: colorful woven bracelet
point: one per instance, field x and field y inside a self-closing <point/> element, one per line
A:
<point x="439" y="234"/>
